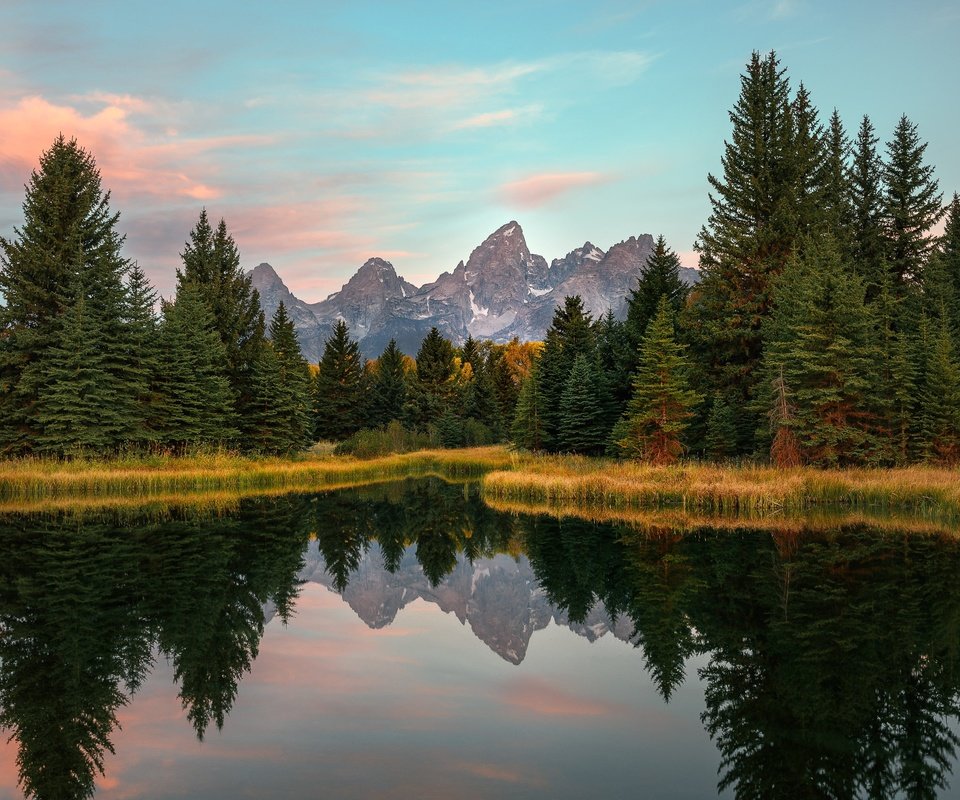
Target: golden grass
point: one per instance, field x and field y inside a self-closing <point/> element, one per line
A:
<point x="566" y="482"/>
<point x="44" y="484"/>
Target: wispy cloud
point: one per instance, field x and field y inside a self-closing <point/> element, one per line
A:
<point x="506" y="116"/>
<point x="538" y="190"/>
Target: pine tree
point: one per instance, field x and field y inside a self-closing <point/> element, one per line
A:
<point x="752" y="231"/>
<point x="807" y="167"/>
<point x="582" y="417"/>
<point x="836" y="189"/>
<point x="143" y="356"/>
<point x="339" y="386"/>
<point x="211" y="262"/>
<point x="431" y="394"/>
<point x="822" y="352"/>
<point x="295" y="400"/>
<point x="940" y="404"/>
<point x="527" y="428"/>
<point x="662" y="404"/>
<point x="197" y="405"/>
<point x="866" y="193"/>
<point x="68" y="243"/>
<point x="267" y="416"/>
<point x="388" y="391"/>
<point x="721" y="437"/>
<point x="912" y="204"/>
<point x="570" y="334"/>
<point x="660" y="278"/>
<point x="941" y="278"/>
<point x="73" y="396"/>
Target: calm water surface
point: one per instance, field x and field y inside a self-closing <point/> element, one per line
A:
<point x="406" y="641"/>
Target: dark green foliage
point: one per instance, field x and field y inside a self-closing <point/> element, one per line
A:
<point x="339" y="387"/>
<point x="211" y="262"/>
<point x="393" y="438"/>
<point x="660" y="278"/>
<point x="266" y="420"/>
<point x="570" y="335"/>
<point x="866" y="196"/>
<point x="836" y="208"/>
<point x="911" y="204"/>
<point x="582" y="418"/>
<point x="764" y="200"/>
<point x="143" y="355"/>
<point x="295" y="386"/>
<point x="821" y="355"/>
<point x="721" y="438"/>
<point x="433" y="392"/>
<point x="940" y="403"/>
<point x="67" y="250"/>
<point x="479" y="398"/>
<point x="662" y="404"/>
<point x="527" y="428"/>
<point x="388" y="389"/>
<point x="196" y="400"/>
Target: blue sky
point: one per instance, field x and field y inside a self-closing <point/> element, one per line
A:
<point x="329" y="132"/>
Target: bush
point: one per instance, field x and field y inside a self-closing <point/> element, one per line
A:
<point x="373" y="442"/>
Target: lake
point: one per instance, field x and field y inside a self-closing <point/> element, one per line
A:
<point x="405" y="640"/>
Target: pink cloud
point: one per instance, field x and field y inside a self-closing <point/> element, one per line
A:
<point x="537" y="696"/>
<point x="538" y="190"/>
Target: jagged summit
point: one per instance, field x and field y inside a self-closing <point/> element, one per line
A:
<point x="502" y="290"/>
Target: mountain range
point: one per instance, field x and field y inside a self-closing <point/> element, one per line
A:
<point x="503" y="290"/>
<point x="499" y="598"/>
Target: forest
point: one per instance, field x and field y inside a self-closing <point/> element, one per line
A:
<point x="825" y="329"/>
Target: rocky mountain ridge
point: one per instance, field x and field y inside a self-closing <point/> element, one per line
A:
<point x="501" y="291"/>
<point x="498" y="598"/>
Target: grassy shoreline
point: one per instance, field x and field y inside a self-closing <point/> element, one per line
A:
<point x="565" y="485"/>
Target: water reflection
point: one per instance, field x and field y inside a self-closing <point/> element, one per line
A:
<point x="831" y="658"/>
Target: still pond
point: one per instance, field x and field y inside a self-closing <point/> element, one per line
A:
<point x="407" y="641"/>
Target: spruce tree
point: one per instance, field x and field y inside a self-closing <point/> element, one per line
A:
<point x="836" y="190"/>
<point x="822" y="351"/>
<point x="752" y="231"/>
<point x="912" y="204"/>
<point x="808" y="165"/>
<point x="388" y="390"/>
<point x="866" y="194"/>
<point x="660" y="278"/>
<point x="432" y="393"/>
<point x="196" y="404"/>
<point x="582" y="418"/>
<point x="211" y="262"/>
<point x="68" y="244"/>
<point x="339" y="386"/>
<point x="940" y="403"/>
<point x="662" y="404"/>
<point x="295" y="401"/>
<point x="143" y="355"/>
<point x="267" y="415"/>
<point x="721" y="437"/>
<point x="527" y="428"/>
<point x="570" y="334"/>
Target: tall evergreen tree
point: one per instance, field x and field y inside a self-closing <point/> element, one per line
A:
<point x="68" y="244"/>
<point x="836" y="189"/>
<point x="660" y="277"/>
<point x="912" y="204"/>
<point x="267" y="417"/>
<point x="582" y="419"/>
<point x="388" y="391"/>
<point x="527" y="428"/>
<point x="295" y="399"/>
<point x="721" y="436"/>
<point x="211" y="262"/>
<point x="662" y="404"/>
<point x="752" y="231"/>
<point x="940" y="403"/>
<point x="143" y="355"/>
<point x="822" y="354"/>
<point x="570" y="334"/>
<point x="339" y="386"/>
<point x="432" y="393"/>
<point x="197" y="404"/>
<point x="866" y="194"/>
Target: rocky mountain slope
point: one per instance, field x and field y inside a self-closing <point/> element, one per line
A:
<point x="503" y="290"/>
<point x="498" y="598"/>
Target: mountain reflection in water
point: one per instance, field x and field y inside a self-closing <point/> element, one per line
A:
<point x="830" y="659"/>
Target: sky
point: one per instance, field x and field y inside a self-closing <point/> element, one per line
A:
<point x="326" y="133"/>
